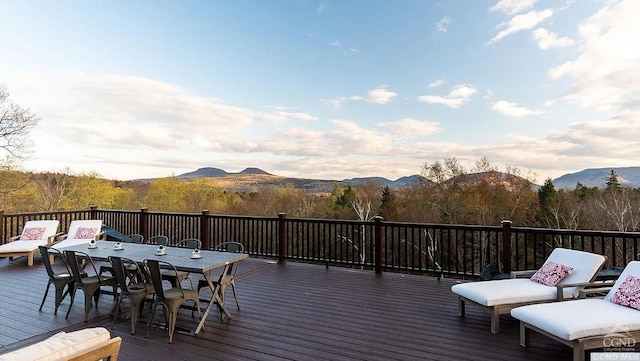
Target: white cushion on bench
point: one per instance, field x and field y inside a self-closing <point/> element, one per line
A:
<point x="572" y="320"/>
<point x="61" y="346"/>
<point x="505" y="292"/>
<point x="519" y="290"/>
<point x="22" y="246"/>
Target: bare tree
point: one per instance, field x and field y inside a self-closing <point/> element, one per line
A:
<point x="15" y="123"/>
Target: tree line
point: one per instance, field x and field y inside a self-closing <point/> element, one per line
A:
<point x="450" y="194"/>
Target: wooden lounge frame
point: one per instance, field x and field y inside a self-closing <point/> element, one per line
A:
<point x="585" y="268"/>
<point x="585" y="324"/>
<point x="30" y="253"/>
<point x="579" y="345"/>
<point x="503" y="309"/>
<point x="108" y="351"/>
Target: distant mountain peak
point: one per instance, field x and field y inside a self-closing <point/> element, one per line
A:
<point x="597" y="177"/>
<point x="252" y="170"/>
<point x="400" y="182"/>
<point x="204" y="173"/>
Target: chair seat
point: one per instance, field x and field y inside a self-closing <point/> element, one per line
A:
<point x="572" y="320"/>
<point x="510" y="291"/>
<point x="175" y="293"/>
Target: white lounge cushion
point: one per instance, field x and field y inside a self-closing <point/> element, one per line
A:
<point x="582" y="318"/>
<point x="571" y="320"/>
<point x="585" y="266"/>
<point x="50" y="228"/>
<point x="632" y="269"/>
<point x="72" y="236"/>
<point x="61" y="346"/>
<point x="21" y="246"/>
<point x="510" y="291"/>
<point x="505" y="292"/>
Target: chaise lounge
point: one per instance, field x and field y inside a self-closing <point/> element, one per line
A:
<point x="592" y="323"/>
<point x="80" y="232"/>
<point x="82" y="345"/>
<point x="34" y="234"/>
<point x="546" y="285"/>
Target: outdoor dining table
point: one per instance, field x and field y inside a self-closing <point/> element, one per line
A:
<point x="180" y="257"/>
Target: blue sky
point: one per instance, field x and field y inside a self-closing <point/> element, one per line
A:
<point x="324" y="89"/>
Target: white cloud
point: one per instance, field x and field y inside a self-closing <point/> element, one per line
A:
<point x="335" y="43"/>
<point x="513" y="110"/>
<point x="322" y="7"/>
<point x="521" y="22"/>
<point x="379" y="95"/>
<point x="606" y="74"/>
<point x="436" y="83"/>
<point x="458" y="96"/>
<point x="547" y="40"/>
<point x="513" y="7"/>
<point x="339" y="102"/>
<point x="410" y="128"/>
<point x="443" y="23"/>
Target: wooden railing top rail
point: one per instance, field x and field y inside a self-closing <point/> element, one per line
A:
<point x="453" y="249"/>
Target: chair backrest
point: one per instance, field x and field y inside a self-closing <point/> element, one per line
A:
<point x="86" y="229"/>
<point x="236" y="247"/>
<point x="134" y="238"/>
<point x="159" y="240"/>
<point x="118" y="272"/>
<point x="39" y="230"/>
<point x="192" y="243"/>
<point x="632" y="269"/>
<point x="72" y="260"/>
<point x="153" y="265"/>
<point x="585" y="266"/>
<point x="45" y="252"/>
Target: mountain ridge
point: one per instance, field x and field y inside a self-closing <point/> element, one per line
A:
<point x="628" y="177"/>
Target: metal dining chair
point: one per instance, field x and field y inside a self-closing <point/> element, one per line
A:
<point x="176" y="277"/>
<point x="160" y="240"/>
<point x="89" y="284"/>
<point x="169" y="298"/>
<point x="58" y="280"/>
<point x="136" y="292"/>
<point x="134" y="238"/>
<point x="229" y="279"/>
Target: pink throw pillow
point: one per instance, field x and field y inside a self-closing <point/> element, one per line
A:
<point x="551" y="273"/>
<point x="32" y="233"/>
<point x="85" y="233"/>
<point x="628" y="294"/>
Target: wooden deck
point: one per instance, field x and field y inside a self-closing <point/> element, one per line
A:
<point x="289" y="312"/>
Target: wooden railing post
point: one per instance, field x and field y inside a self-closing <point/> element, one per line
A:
<point x="93" y="212"/>
<point x="4" y="239"/>
<point x="377" y="241"/>
<point x="506" y="246"/>
<point x="144" y="223"/>
<point x="205" y="237"/>
<point x="282" y="238"/>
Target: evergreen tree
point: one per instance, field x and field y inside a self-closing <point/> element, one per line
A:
<point x="546" y="192"/>
<point x="388" y="207"/>
<point x="612" y="180"/>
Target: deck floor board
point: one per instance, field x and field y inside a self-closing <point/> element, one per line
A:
<point x="293" y="311"/>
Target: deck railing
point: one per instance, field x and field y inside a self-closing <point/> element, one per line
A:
<point x="438" y="249"/>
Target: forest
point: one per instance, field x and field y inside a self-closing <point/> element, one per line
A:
<point x="451" y="194"/>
